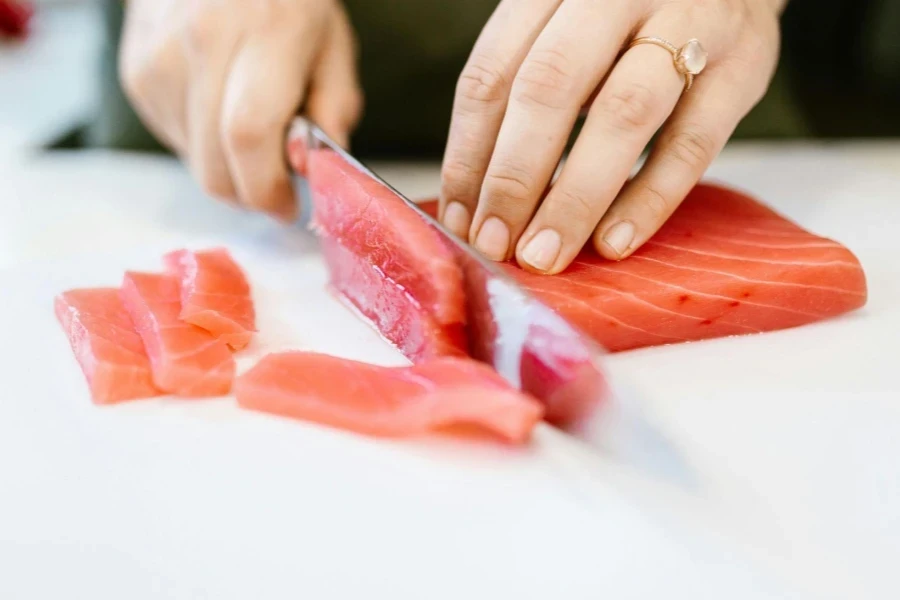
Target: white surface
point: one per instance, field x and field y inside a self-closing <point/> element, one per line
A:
<point x="166" y="498"/>
<point x="788" y="439"/>
<point x="45" y="81"/>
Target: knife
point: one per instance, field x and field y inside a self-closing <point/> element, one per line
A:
<point x="523" y="339"/>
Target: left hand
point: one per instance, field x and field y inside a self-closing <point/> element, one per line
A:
<point x="537" y="63"/>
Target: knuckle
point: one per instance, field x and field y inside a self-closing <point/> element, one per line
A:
<point x="243" y="132"/>
<point x="459" y="183"/>
<point x="655" y="202"/>
<point x="508" y="182"/>
<point x="546" y="79"/>
<point x="633" y="107"/>
<point x="141" y="70"/>
<point x="458" y="180"/>
<point x="574" y="203"/>
<point x="482" y="81"/>
<point x="692" y="147"/>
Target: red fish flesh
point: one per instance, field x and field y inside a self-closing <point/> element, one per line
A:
<point x="388" y="401"/>
<point x="383" y="258"/>
<point x="392" y="310"/>
<point x="185" y="359"/>
<point x="215" y="295"/>
<point x="106" y="345"/>
<point x="724" y="264"/>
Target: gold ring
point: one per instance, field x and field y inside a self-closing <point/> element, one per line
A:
<point x="689" y="60"/>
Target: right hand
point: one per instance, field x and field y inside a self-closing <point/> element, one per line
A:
<point x="218" y="81"/>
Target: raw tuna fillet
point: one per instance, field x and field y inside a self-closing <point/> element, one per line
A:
<point x="215" y="294"/>
<point x="404" y="256"/>
<point x="385" y="401"/>
<point x="722" y="265"/>
<point x="185" y="359"/>
<point x="106" y="345"/>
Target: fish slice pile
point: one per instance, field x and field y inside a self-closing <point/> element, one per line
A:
<point x="174" y="333"/>
<point x="162" y="333"/>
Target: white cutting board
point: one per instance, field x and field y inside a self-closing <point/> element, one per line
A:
<point x="788" y="440"/>
<point x="793" y="436"/>
<point x="176" y="499"/>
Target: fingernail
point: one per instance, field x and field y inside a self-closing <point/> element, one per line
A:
<point x="493" y="239"/>
<point x="542" y="250"/>
<point x="456" y="219"/>
<point x="619" y="236"/>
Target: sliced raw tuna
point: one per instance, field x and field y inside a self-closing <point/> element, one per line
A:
<point x="185" y="359"/>
<point x="106" y="345"/>
<point x="387" y="401"/>
<point x="215" y="294"/>
<point x="369" y="221"/>
<point x="392" y="310"/>
<point x="723" y="265"/>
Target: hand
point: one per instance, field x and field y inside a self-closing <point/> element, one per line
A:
<point x="218" y="82"/>
<point x="534" y="67"/>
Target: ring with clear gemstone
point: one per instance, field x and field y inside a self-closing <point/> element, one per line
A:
<point x="690" y="59"/>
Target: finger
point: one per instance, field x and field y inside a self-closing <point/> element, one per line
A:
<point x="263" y="91"/>
<point x="636" y="99"/>
<point x="335" y="99"/>
<point x="566" y="63"/>
<point x="480" y="101"/>
<point x="210" y="45"/>
<point x="152" y="74"/>
<point x="698" y="129"/>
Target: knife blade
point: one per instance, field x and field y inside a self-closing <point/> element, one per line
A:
<point x="526" y="341"/>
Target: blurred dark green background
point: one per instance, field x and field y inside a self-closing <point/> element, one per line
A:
<point x="839" y="74"/>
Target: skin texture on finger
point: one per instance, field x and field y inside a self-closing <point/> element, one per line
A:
<point x="335" y="99"/>
<point x="698" y="129"/>
<point x="568" y="60"/>
<point x="210" y="44"/>
<point x="481" y="98"/>
<point x="153" y="70"/>
<point x="635" y="100"/>
<point x="262" y="94"/>
<point x="688" y="143"/>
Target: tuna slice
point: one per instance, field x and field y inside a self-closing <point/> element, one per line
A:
<point x="185" y="359"/>
<point x="723" y="265"/>
<point x="393" y="311"/>
<point x="387" y="401"/>
<point x="106" y="345"/>
<point x="215" y="294"/>
<point x="406" y="266"/>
